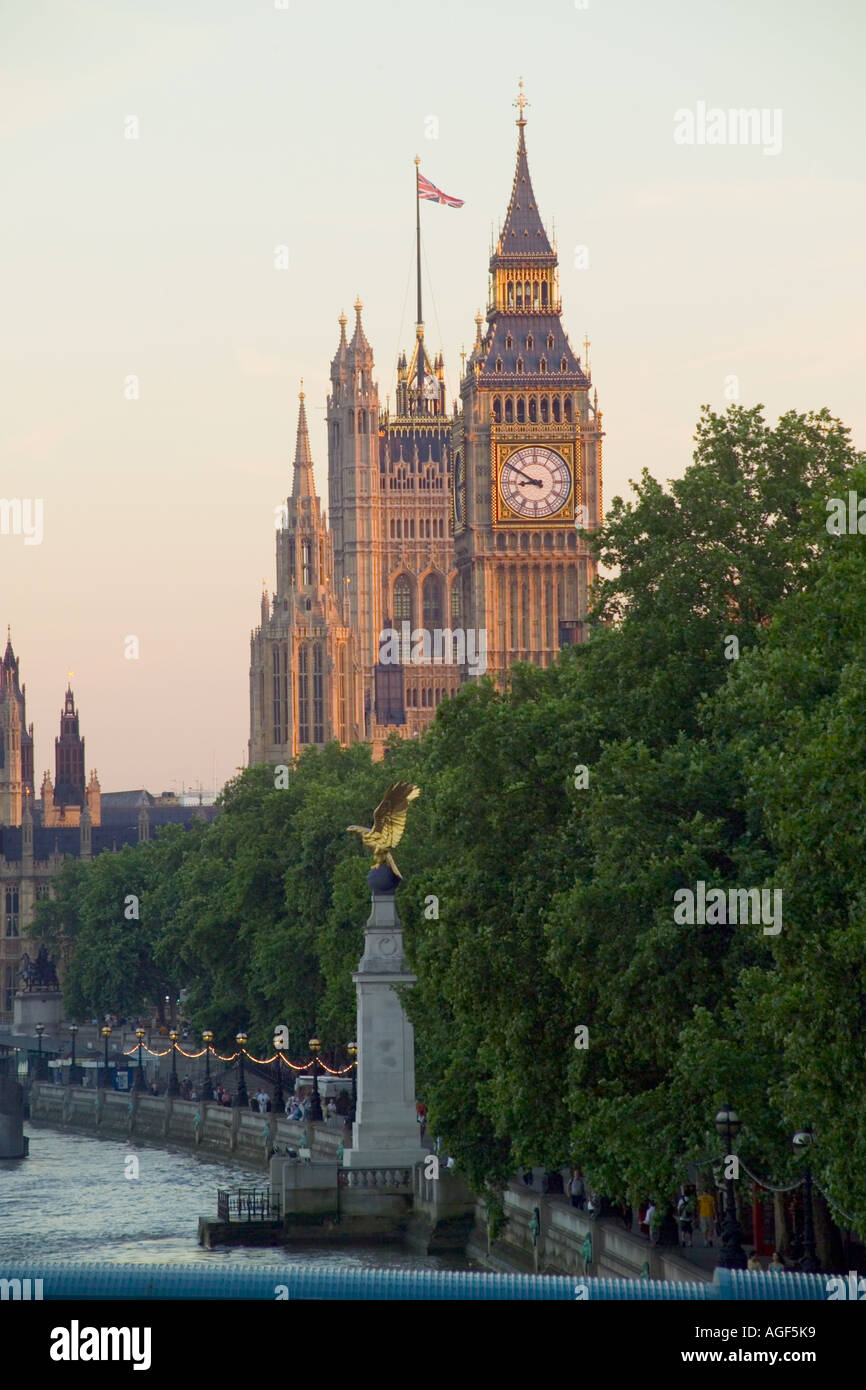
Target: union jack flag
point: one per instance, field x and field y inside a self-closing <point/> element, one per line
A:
<point x="426" y="189"/>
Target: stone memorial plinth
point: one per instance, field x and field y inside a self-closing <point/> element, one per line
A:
<point x="33" y="1006"/>
<point x="385" y="1132"/>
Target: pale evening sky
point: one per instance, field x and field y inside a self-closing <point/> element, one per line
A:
<point x="262" y="126"/>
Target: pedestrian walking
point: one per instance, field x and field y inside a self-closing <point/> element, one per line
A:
<point x="707" y="1216"/>
<point x="684" y="1220"/>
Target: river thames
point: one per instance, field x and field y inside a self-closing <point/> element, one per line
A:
<point x="72" y="1200"/>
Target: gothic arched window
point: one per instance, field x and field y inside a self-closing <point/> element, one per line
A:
<point x="510" y="294"/>
<point x="509" y="410"/>
<point x="550" y="340"/>
<point x="499" y="364"/>
<point x="303" y="695"/>
<point x="402" y="599"/>
<point x="545" y="410"/>
<point x="521" y="410"/>
<point x="432" y="601"/>
<point x="497" y="409"/>
<point x="509" y="342"/>
<point x="556" y="410"/>
<point x="533" y="410"/>
<point x="568" y="408"/>
<point x="318" y="695"/>
<point x="530" y="341"/>
<point x="542" y="366"/>
<point x="519" y="301"/>
<point x="544" y="294"/>
<point x="519" y="366"/>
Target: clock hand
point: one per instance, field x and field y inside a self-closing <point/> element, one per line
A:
<point x="536" y="481"/>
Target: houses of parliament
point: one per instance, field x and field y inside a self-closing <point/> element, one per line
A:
<point x="465" y="524"/>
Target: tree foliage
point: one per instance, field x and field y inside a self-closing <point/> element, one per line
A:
<point x="535" y="904"/>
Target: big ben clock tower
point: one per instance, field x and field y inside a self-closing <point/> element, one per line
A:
<point x="527" y="453"/>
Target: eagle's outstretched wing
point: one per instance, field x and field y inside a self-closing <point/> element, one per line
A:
<point x="389" y="817"/>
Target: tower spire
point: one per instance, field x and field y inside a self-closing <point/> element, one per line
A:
<point x="302" y="481"/>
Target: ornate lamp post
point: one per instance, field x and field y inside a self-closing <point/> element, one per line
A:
<point x="207" y="1038"/>
<point x="241" y="1098"/>
<point x="40" y="1065"/>
<point x="279" y="1100"/>
<point x="732" y="1255"/>
<point x="139" y="1075"/>
<point x="316" y="1110"/>
<point x="352" y="1050"/>
<point x="173" y="1083"/>
<point x="106" y="1034"/>
<point x="802" y="1142"/>
<point x="73" y="1070"/>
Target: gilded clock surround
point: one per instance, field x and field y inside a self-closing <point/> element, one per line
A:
<point x="500" y="453"/>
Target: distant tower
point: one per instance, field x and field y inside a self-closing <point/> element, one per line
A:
<point x="305" y="684"/>
<point x="69" y="783"/>
<point x="16" y="742"/>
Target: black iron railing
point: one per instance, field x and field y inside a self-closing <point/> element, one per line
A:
<point x="247" y="1204"/>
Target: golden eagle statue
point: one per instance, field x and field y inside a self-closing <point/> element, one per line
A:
<point x="389" y="822"/>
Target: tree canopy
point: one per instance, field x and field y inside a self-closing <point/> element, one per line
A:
<point x="709" y="731"/>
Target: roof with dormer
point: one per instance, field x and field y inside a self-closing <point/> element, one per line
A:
<point x="507" y="343"/>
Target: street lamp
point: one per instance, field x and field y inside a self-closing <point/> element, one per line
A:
<point x="352" y="1050"/>
<point x="73" y="1070"/>
<point x="207" y="1037"/>
<point x="316" y="1108"/>
<point x="139" y="1075"/>
<point x="279" y="1101"/>
<point x="241" y="1098"/>
<point x="106" y="1034"/>
<point x="802" y="1142"/>
<point x="40" y="1075"/>
<point x="173" y="1085"/>
<point x="732" y="1255"/>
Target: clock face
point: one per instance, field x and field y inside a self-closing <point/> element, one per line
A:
<point x="458" y="489"/>
<point x="535" y="482"/>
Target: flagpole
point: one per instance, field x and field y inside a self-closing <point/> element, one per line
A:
<point x="419" y="331"/>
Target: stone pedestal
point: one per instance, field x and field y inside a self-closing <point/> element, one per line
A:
<point x="30" y="1007"/>
<point x="385" y="1132"/>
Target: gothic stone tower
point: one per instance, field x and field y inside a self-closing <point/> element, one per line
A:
<point x="305" y="685"/>
<point x="69" y="788"/>
<point x="16" y="742"/>
<point x="354" y="494"/>
<point x="419" y="576"/>
<point x="527" y="453"/>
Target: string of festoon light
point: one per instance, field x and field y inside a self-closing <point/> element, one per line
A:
<point x="232" y="1056"/>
